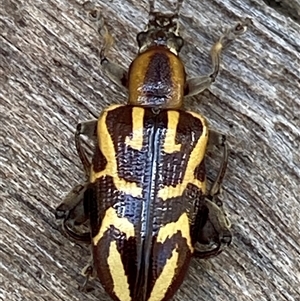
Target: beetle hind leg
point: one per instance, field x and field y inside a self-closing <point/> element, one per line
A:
<point x="72" y="212"/>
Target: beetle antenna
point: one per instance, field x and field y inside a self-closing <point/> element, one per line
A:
<point x="151" y="4"/>
<point x="162" y="30"/>
<point x="178" y="7"/>
<point x="174" y="16"/>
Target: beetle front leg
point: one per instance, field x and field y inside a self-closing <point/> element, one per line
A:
<point x="115" y="72"/>
<point x="196" y="85"/>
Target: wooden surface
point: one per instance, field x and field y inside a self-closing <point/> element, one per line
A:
<point x="51" y="80"/>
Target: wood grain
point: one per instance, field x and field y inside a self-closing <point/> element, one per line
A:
<point x="51" y="79"/>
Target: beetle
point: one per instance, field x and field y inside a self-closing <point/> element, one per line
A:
<point x="145" y="201"/>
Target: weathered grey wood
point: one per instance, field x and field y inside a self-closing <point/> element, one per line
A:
<point x="50" y="80"/>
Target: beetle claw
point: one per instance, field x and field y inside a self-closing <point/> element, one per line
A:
<point x="89" y="273"/>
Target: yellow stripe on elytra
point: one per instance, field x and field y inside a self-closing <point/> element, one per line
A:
<point x="196" y="157"/>
<point x="164" y="280"/>
<point x="170" y="229"/>
<point x="170" y="145"/>
<point x="136" y="141"/>
<point x="116" y="268"/>
<point x="106" y="146"/>
<point x="112" y="219"/>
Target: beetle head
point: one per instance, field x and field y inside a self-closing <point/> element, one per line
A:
<point x="161" y="30"/>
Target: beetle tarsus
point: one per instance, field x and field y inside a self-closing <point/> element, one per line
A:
<point x="89" y="273"/>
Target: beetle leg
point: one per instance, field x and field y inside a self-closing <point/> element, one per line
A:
<point x="72" y="211"/>
<point x="215" y="231"/>
<point x="216" y="138"/>
<point x="214" y="225"/>
<point x="89" y="272"/>
<point x="115" y="72"/>
<point x="72" y="202"/>
<point x="196" y="85"/>
<point x="87" y="128"/>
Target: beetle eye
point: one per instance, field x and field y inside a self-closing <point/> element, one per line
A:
<point x="141" y="38"/>
<point x="179" y="43"/>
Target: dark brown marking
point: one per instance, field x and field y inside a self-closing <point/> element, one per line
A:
<point x="160" y="254"/>
<point x="189" y="130"/>
<point x="99" y="161"/>
<point x="130" y="162"/>
<point x="127" y="249"/>
<point x="158" y="79"/>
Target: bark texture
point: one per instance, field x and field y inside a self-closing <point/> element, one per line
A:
<point x="50" y="79"/>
